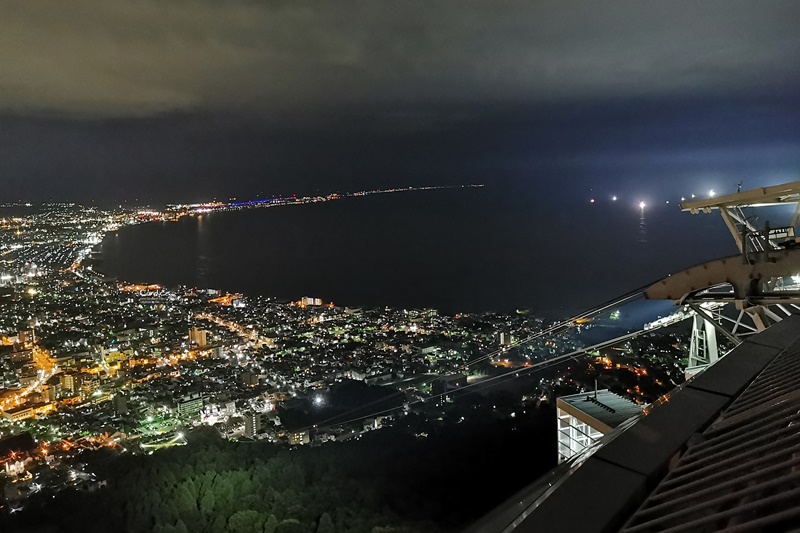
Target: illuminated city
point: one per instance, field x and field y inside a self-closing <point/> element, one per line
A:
<point x="381" y="266"/>
<point x="90" y="363"/>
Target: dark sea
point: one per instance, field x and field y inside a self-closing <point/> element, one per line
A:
<point x="457" y="250"/>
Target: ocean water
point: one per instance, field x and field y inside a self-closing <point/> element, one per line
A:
<point x="457" y="250"/>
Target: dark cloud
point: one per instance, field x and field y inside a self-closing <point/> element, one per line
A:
<point x="171" y="100"/>
<point x="564" y="149"/>
<point x="136" y="58"/>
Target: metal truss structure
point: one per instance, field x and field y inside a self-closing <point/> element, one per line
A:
<point x="762" y="283"/>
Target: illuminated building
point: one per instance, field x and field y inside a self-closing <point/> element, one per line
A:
<point x="25" y="336"/>
<point x="18" y="413"/>
<point x="14" y="468"/>
<point x="370" y="424"/>
<point x="190" y="406"/>
<point x="21" y="355"/>
<point x="89" y="386"/>
<point x="421" y="314"/>
<point x="305" y="301"/>
<point x="198" y="337"/>
<point x="42" y="409"/>
<point x="28" y="379"/>
<point x="252" y="424"/>
<point x="49" y="394"/>
<point x="584" y="418"/>
<point x="71" y="382"/>
<point x="299" y="438"/>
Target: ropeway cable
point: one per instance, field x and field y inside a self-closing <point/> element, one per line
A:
<point x="570" y="322"/>
<point x="527" y="370"/>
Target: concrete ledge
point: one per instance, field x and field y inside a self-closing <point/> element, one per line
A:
<point x="730" y="375"/>
<point x="596" y="495"/>
<point x="600" y="494"/>
<point x="780" y="335"/>
<point x="649" y="444"/>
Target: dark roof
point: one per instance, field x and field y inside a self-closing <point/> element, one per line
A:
<point x="20" y="409"/>
<point x="603" y="405"/>
<point x="742" y="470"/>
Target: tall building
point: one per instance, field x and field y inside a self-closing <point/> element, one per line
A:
<point x="49" y="393"/>
<point x="190" y="406"/>
<point x="71" y="383"/>
<point x="252" y="424"/>
<point x="89" y="386"/>
<point x="197" y="336"/>
<point x="584" y="418"/>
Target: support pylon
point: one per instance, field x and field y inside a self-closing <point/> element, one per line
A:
<point x="703" y="348"/>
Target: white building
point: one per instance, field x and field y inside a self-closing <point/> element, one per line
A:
<point x="584" y="418"/>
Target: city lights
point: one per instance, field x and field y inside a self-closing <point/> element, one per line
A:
<point x="154" y="362"/>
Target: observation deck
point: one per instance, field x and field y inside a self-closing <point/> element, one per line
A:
<point x="720" y="452"/>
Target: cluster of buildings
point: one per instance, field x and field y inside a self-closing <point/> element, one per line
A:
<point x="87" y="362"/>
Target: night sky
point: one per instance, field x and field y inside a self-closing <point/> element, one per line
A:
<point x="549" y="104"/>
<point x="190" y="100"/>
